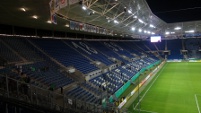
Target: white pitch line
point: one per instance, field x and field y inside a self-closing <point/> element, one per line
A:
<point x="196" y="100"/>
<point x="149" y="87"/>
<point x="147" y="111"/>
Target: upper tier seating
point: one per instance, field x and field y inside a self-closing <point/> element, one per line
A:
<point x="65" y="54"/>
<point x="7" y="54"/>
<point x="150" y="45"/>
<point x="100" y="46"/>
<point x="141" y="46"/>
<point x="22" y="48"/>
<point x="129" y="46"/>
<point x="174" y="46"/>
<point x="193" y="46"/>
<point x="89" y="51"/>
<point x="160" y="45"/>
<point x="119" y="49"/>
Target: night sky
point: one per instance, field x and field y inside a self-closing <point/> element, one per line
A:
<point x="176" y="10"/>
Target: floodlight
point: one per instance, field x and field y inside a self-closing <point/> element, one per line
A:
<point x="177" y="28"/>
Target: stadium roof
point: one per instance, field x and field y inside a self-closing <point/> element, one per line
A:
<point x="125" y="17"/>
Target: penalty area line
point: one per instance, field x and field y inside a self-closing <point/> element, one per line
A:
<point x="146" y="111"/>
<point x="196" y="100"/>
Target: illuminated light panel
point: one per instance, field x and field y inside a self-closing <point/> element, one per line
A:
<point x="141" y="21"/>
<point x="84" y="7"/>
<point x="129" y="11"/>
<point x="115" y="21"/>
<point x="49" y="22"/>
<point x="67" y="25"/>
<point x="167" y="33"/>
<point x="151" y="26"/>
<point x="190" y="31"/>
<point x="35" y="16"/>
<point x="177" y="28"/>
<point x="23" y="9"/>
<point x="133" y="29"/>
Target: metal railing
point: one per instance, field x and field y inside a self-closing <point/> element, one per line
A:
<point x="19" y="90"/>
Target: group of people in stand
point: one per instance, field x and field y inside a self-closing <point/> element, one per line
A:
<point x="24" y="80"/>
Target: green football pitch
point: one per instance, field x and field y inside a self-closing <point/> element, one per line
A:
<point x="175" y="89"/>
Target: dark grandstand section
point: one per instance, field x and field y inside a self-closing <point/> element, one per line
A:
<point x="42" y="71"/>
<point x="66" y="74"/>
<point x="75" y="75"/>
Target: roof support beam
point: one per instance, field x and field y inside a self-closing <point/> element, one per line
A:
<point x="106" y="11"/>
<point x="130" y="22"/>
<point x="92" y="3"/>
<point x="127" y="18"/>
<point x="118" y="15"/>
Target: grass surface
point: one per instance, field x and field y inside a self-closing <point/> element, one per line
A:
<point x="175" y="89"/>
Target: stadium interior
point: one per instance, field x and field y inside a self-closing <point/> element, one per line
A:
<point x="90" y="56"/>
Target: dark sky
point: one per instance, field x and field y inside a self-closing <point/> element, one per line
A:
<point x="176" y="10"/>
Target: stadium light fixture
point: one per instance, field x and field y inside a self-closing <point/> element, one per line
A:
<point x="148" y="32"/>
<point x="177" y="28"/>
<point x="152" y="33"/>
<point x="129" y="11"/>
<point x="133" y="29"/>
<point x="152" y="26"/>
<point x="23" y="9"/>
<point x="140" y="30"/>
<point x="49" y="22"/>
<point x="141" y="21"/>
<point x="135" y="17"/>
<point x="145" y="31"/>
<point x="190" y="31"/>
<point x="35" y="16"/>
<point x="84" y="7"/>
<point x="167" y="33"/>
<point x="116" y="22"/>
<point x="67" y="25"/>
